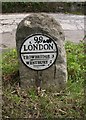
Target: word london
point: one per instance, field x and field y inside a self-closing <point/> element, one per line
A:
<point x="33" y="47"/>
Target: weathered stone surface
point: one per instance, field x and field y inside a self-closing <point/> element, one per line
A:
<point x="55" y="77"/>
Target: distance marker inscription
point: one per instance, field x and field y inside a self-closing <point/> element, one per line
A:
<point x="38" y="51"/>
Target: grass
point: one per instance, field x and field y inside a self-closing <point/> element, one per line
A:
<point x="18" y="103"/>
<point x="9" y="62"/>
<point x="9" y="65"/>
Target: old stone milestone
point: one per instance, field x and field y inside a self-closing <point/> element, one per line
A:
<point x="42" y="59"/>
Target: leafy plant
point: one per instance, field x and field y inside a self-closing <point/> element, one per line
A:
<point x="75" y="61"/>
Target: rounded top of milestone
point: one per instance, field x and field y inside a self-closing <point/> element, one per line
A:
<point x="38" y="51"/>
